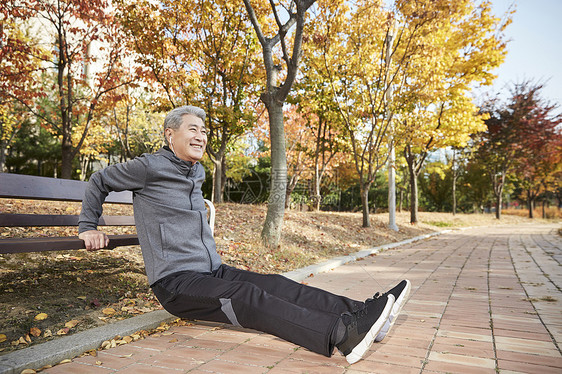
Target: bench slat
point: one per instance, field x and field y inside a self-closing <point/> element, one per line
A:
<point x="32" y="220"/>
<point x="43" y="188"/>
<point x="59" y="244"/>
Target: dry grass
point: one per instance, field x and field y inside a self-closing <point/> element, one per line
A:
<point x="549" y="212"/>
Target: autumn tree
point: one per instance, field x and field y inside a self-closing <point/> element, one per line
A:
<point x="340" y="52"/>
<point x="86" y="63"/>
<point x="202" y="53"/>
<point x="538" y="160"/>
<point x="273" y="30"/>
<point x="457" y="47"/>
<point x="318" y="108"/>
<point x="521" y="133"/>
<point x="20" y="55"/>
<point x="363" y="50"/>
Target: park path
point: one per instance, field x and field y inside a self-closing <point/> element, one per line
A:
<point x="483" y="300"/>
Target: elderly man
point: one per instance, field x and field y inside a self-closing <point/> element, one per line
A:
<point x="186" y="272"/>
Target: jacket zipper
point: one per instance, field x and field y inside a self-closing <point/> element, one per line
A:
<point x="200" y="222"/>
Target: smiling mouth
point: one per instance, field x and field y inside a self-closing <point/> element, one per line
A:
<point x="197" y="146"/>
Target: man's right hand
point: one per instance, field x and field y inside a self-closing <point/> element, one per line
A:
<point x="94" y="239"/>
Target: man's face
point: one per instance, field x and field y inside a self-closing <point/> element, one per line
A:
<point x="189" y="141"/>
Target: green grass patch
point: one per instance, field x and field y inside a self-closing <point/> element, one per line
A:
<point x="440" y="223"/>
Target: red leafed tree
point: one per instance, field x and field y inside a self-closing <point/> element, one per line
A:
<point x="19" y="68"/>
<point x="85" y="64"/>
<point x="539" y="159"/>
<point x="522" y="138"/>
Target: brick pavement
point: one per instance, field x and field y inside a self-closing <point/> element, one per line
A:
<point x="484" y="300"/>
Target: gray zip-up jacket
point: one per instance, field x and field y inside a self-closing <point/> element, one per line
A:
<point x="169" y="210"/>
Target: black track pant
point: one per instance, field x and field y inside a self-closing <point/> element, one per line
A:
<point x="274" y="304"/>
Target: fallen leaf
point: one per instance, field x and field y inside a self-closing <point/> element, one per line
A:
<point x="41" y="316"/>
<point x="27" y="338"/>
<point x="47" y="334"/>
<point x="63" y="331"/>
<point x="126" y="356"/>
<point x="28" y="371"/>
<point x="3" y="338"/>
<point x="81" y="297"/>
<point x="99" y="362"/>
<point x="65" y="361"/>
<point x="108" y="311"/>
<point x="71" y="324"/>
<point x="35" y="331"/>
<point x="173" y="341"/>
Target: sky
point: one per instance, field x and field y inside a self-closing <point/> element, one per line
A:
<point x="534" y="47"/>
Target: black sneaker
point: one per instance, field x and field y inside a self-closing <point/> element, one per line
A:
<point x="363" y="326"/>
<point x="400" y="292"/>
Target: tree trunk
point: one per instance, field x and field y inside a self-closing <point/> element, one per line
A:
<point x="530" y="203"/>
<point x="413" y="196"/>
<point x="454" y="185"/>
<point x="499" y="205"/>
<point x="2" y="156"/>
<point x="365" y="203"/>
<point x="316" y="197"/>
<point x="271" y="233"/>
<point x="67" y="157"/>
<point x="217" y="179"/>
<point x="498" y="192"/>
<point x="290" y="188"/>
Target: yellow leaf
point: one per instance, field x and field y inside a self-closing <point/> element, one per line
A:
<point x="47" y="334"/>
<point x="35" y="331"/>
<point x="28" y="371"/>
<point x="41" y="316"/>
<point x="99" y="362"/>
<point x="81" y="297"/>
<point x="3" y="338"/>
<point x="108" y="311"/>
<point x="65" y="361"/>
<point x="71" y="324"/>
<point x="63" y="331"/>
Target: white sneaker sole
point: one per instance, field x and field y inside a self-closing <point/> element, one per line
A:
<point x="360" y="349"/>
<point x="396" y="309"/>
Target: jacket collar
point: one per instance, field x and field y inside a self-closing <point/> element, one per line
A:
<point x="183" y="166"/>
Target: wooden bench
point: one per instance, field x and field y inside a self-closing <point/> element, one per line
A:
<point x="18" y="186"/>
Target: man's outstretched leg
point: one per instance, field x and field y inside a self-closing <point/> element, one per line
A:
<point x="203" y="296"/>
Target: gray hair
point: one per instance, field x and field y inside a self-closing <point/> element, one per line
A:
<point x="174" y="118"/>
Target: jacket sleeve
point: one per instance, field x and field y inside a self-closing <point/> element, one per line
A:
<point x="129" y="176"/>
